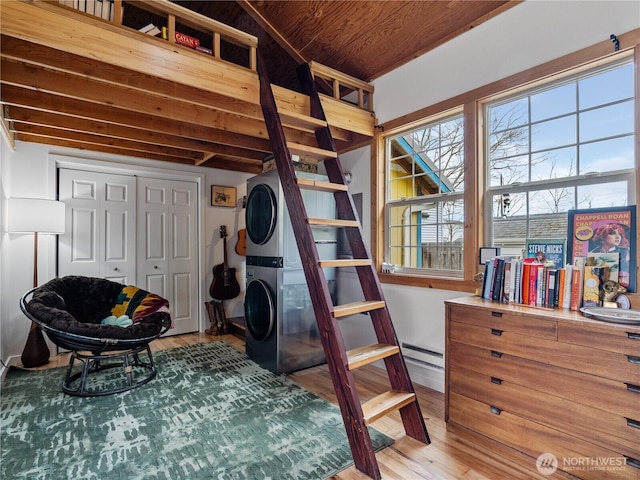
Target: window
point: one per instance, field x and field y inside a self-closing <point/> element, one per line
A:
<point x="566" y="145"/>
<point x="425" y="197"/>
<point x="505" y="162"/>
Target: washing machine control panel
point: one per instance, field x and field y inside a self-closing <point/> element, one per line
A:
<point x="272" y="262"/>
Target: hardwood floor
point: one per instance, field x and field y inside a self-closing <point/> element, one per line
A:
<point x="450" y="456"/>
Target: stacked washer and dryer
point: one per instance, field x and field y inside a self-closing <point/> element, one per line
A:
<point x="281" y="329"/>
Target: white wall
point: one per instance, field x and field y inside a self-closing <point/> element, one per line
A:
<point x="29" y="171"/>
<point x="525" y="36"/>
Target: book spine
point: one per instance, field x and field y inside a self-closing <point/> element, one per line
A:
<point x="552" y="288"/>
<point x="506" y="290"/>
<point x="568" y="285"/>
<point x="562" y="278"/>
<point x="577" y="281"/>
<point x="496" y="293"/>
<point x="526" y="272"/>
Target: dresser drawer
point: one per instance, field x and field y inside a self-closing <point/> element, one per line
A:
<point x="613" y="339"/>
<point x="613" y="431"/>
<point x="504" y="321"/>
<point x="575" y="455"/>
<point x="602" y="393"/>
<point x="612" y="365"/>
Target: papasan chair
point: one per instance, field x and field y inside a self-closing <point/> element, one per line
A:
<point x="105" y="325"/>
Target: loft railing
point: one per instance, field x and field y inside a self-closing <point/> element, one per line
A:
<point x="341" y="86"/>
<point x="345" y="87"/>
<point x="173" y="15"/>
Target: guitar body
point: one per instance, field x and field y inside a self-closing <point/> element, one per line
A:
<point x="218" y="289"/>
<point x="225" y="284"/>
<point x="241" y="245"/>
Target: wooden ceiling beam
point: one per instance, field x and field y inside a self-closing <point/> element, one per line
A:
<point x="37" y="117"/>
<point x="32" y="99"/>
<point x="25" y="137"/>
<point x="93" y="139"/>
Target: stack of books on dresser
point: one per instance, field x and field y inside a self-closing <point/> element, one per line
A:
<point x="528" y="282"/>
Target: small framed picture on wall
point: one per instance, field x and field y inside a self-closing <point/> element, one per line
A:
<point x="223" y="196"/>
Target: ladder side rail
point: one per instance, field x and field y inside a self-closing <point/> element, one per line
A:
<point x="343" y="381"/>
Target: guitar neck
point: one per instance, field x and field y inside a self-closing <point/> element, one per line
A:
<point x="224" y="246"/>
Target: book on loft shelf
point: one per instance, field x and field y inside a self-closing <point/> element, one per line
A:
<point x="181" y="38"/>
<point x="546" y="250"/>
<point x="150" y="29"/>
<point x="606" y="230"/>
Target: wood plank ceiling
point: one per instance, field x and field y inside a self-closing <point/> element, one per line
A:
<point x="65" y="100"/>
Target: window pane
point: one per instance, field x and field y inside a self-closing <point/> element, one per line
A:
<point x="509" y="115"/>
<point x="606" y="122"/>
<point x="607" y="155"/>
<point x="613" y="194"/>
<point x="554" y="133"/>
<point x="558" y="163"/>
<point x="553" y="200"/>
<point x="606" y="87"/>
<point x="508" y="143"/>
<point x="553" y="103"/>
<point x="511" y="170"/>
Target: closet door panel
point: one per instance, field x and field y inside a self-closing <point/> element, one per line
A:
<point x="99" y="239"/>
<point x="168" y="240"/>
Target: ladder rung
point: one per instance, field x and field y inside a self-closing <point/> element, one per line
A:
<point x="301" y="122"/>
<point x="357" y="307"/>
<point x="309" y="184"/>
<point x="311" y="153"/>
<point x="345" y="262"/>
<point x="385" y="403"/>
<point x="333" y="222"/>
<point x="358" y="357"/>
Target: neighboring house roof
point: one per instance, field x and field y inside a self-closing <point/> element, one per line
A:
<point x="439" y="183"/>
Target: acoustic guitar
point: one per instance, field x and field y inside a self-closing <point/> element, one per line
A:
<point x="241" y="244"/>
<point x="225" y="284"/>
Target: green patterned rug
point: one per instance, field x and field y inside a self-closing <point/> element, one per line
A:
<point x="211" y="413"/>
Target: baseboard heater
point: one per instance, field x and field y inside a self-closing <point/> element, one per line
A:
<point x="425" y="356"/>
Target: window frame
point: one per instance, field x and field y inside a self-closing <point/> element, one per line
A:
<point x="432" y="198"/>
<point x="474" y="159"/>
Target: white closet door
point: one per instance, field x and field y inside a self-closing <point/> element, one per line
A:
<point x="167" y="254"/>
<point x="99" y="238"/>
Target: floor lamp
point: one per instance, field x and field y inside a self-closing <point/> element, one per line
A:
<point x="37" y="216"/>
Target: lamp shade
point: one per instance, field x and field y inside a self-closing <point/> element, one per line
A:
<point x="29" y="215"/>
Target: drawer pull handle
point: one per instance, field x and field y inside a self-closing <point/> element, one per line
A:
<point x="496" y="314"/>
<point x="633" y="336"/>
<point x="633" y="359"/>
<point x="495" y="410"/>
<point x="633" y="388"/>
<point x="496" y="354"/>
<point x="632" y="462"/>
<point x="498" y="381"/>
<point x="496" y="332"/>
<point x="633" y="423"/>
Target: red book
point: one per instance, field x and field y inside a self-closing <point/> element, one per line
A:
<point x="186" y="40"/>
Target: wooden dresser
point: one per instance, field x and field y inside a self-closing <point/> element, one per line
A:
<point x="546" y="382"/>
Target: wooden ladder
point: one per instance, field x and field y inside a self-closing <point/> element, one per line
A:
<point x="356" y="415"/>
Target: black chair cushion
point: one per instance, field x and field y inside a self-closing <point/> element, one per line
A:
<point x="77" y="305"/>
